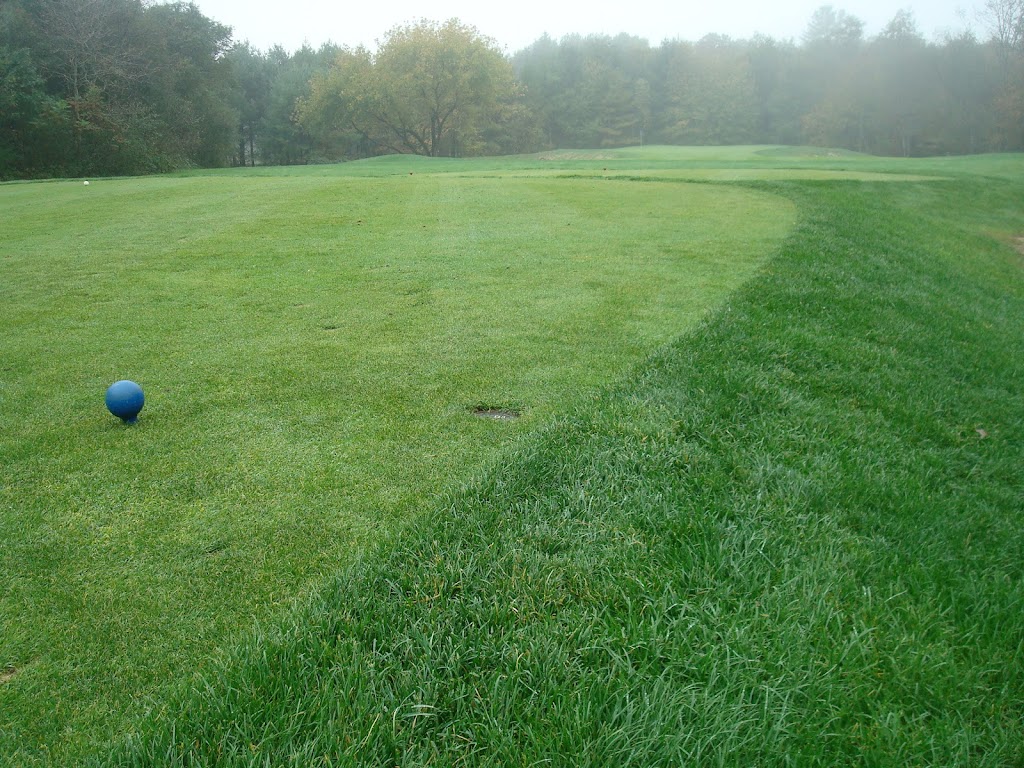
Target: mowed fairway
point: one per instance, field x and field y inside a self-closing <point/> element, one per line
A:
<point x="312" y="347"/>
<point x="790" y="537"/>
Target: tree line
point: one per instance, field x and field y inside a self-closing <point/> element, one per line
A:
<point x="91" y="87"/>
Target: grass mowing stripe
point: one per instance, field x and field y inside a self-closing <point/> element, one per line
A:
<point x="312" y="348"/>
<point x="793" y="538"/>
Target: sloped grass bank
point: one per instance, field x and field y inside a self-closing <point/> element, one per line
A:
<point x="795" y="537"/>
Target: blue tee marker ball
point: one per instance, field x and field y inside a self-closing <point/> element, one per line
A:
<point x="125" y="400"/>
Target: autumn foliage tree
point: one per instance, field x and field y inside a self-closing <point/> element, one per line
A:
<point x="1005" y="22"/>
<point x="431" y="89"/>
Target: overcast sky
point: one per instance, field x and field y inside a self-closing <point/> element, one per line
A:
<point x="290" y="23"/>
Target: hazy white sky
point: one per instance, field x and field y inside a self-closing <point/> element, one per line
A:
<point x="517" y="24"/>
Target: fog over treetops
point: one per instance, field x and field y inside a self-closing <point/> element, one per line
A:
<point x="92" y="87"/>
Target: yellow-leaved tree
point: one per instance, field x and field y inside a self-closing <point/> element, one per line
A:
<point x="431" y="89"/>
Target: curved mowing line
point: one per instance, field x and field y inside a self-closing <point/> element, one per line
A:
<point x="270" y="450"/>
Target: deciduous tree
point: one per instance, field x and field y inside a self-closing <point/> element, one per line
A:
<point x="432" y="89"/>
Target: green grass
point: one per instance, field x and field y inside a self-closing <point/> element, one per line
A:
<point x="681" y="162"/>
<point x="312" y="346"/>
<point x="791" y="536"/>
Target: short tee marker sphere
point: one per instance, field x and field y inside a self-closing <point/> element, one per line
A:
<point x="125" y="400"/>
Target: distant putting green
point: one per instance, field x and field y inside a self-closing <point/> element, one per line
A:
<point x="313" y="346"/>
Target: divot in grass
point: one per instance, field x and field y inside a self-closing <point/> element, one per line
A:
<point x="496" y="414"/>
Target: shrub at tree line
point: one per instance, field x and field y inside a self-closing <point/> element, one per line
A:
<point x="91" y="87"/>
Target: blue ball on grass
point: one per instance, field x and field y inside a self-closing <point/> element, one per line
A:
<point x="125" y="400"/>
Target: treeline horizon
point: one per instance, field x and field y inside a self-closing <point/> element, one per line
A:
<point x="119" y="87"/>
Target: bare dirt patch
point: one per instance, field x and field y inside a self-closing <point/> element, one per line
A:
<point x="7" y="673"/>
<point x="497" y="414"/>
